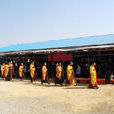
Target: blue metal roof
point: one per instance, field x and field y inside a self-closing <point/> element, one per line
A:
<point x="81" y="41"/>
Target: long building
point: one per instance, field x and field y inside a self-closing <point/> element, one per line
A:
<point x="82" y="50"/>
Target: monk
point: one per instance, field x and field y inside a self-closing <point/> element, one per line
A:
<point x="44" y="74"/>
<point x="11" y="72"/>
<point x="70" y="81"/>
<point x="3" y="70"/>
<point x="93" y="77"/>
<point x="59" y="75"/>
<point x="33" y="72"/>
<point x="21" y="71"/>
<point x="6" y="71"/>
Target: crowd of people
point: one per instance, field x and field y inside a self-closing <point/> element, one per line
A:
<point x="7" y="72"/>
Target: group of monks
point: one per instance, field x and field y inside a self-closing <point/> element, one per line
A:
<point x="7" y="71"/>
<point x="59" y="74"/>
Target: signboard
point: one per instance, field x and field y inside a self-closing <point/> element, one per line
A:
<point x="60" y="57"/>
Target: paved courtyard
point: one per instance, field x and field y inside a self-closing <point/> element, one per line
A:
<point x="22" y="97"/>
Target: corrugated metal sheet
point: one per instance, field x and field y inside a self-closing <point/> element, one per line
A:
<point x="74" y="42"/>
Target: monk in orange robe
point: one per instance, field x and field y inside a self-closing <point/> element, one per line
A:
<point x="44" y="74"/>
<point x="11" y="72"/>
<point x="3" y="70"/>
<point x="93" y="77"/>
<point x="21" y="71"/>
<point x="70" y="81"/>
<point x="59" y="75"/>
<point x="6" y="71"/>
<point x="33" y="72"/>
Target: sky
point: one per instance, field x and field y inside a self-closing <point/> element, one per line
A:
<point x="25" y="21"/>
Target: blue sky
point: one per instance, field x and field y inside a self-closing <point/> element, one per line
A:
<point x="23" y="21"/>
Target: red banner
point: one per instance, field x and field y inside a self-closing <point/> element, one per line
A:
<point x="60" y="57"/>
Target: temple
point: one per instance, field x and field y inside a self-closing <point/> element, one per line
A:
<point x="82" y="51"/>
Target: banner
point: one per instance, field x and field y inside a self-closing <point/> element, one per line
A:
<point x="60" y="57"/>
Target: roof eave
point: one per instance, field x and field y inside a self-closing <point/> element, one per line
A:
<point x="60" y="49"/>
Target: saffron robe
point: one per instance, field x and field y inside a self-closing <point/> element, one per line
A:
<point x="21" y="72"/>
<point x="32" y="72"/>
<point x="2" y="70"/>
<point x="93" y="78"/>
<point x="44" y="75"/>
<point x="59" y="75"/>
<point x="70" y="76"/>
<point x="10" y="73"/>
<point x="6" y="70"/>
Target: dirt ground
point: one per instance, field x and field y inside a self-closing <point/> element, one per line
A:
<point x="22" y="97"/>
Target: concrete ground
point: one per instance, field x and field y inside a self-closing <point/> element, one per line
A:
<point x="22" y="97"/>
